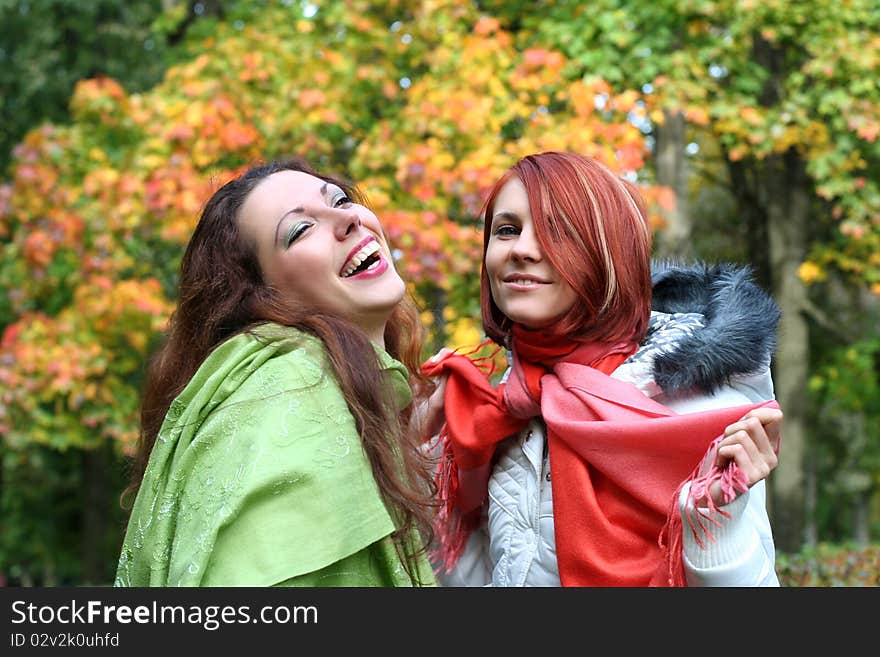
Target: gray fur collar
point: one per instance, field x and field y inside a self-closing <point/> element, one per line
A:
<point x="740" y="332"/>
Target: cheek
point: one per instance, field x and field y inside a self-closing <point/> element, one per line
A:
<point x="492" y="261"/>
<point x="497" y="295"/>
<point x="292" y="270"/>
<point x="491" y="270"/>
<point x="401" y="287"/>
<point x="567" y="299"/>
<point x="303" y="277"/>
<point x="371" y="222"/>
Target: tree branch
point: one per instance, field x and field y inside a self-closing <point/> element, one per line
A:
<point x="818" y="315"/>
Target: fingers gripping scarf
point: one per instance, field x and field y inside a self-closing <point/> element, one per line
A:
<point x="618" y="459"/>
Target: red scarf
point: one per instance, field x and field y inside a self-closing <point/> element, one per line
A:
<point x="618" y="459"/>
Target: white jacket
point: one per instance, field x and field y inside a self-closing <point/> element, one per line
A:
<point x="516" y="545"/>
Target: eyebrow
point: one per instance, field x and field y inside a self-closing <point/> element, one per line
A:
<point x="505" y="214"/>
<point x="297" y="210"/>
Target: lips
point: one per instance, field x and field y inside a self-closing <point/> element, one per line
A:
<point x="524" y="279"/>
<point x="364" y="249"/>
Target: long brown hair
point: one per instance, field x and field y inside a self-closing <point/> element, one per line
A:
<point x="592" y="226"/>
<point x="222" y="293"/>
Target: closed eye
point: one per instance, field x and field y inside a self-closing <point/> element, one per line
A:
<point x="341" y="201"/>
<point x="296" y="231"/>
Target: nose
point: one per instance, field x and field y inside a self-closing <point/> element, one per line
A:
<point x="345" y="221"/>
<point x="526" y="246"/>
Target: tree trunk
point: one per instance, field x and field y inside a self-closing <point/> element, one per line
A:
<point x="862" y="519"/>
<point x="811" y="500"/>
<point x="94" y="522"/>
<point x="787" y="195"/>
<point x="674" y="241"/>
<point x="744" y="184"/>
<point x="859" y="480"/>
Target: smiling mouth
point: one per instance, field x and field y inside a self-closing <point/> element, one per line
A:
<point x="525" y="282"/>
<point x="521" y="279"/>
<point x="365" y="257"/>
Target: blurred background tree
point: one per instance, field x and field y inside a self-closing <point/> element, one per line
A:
<point x="751" y="127"/>
<point x="46" y="46"/>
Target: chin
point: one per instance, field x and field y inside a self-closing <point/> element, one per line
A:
<point x="381" y="308"/>
<point x="529" y="320"/>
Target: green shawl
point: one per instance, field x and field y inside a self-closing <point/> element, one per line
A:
<point x="258" y="477"/>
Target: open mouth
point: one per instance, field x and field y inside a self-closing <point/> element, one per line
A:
<point x="365" y="258"/>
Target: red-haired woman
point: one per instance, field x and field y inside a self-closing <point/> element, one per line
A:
<point x="625" y="446"/>
<point x="269" y="455"/>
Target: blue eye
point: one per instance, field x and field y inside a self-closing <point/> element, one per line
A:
<point x="505" y="230"/>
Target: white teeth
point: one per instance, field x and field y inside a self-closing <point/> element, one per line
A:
<point x="363" y="253"/>
<point x="523" y="282"/>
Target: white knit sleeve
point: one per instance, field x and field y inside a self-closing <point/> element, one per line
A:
<point x="742" y="552"/>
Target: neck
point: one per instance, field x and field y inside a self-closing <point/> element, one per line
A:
<point x="377" y="335"/>
<point x="373" y="325"/>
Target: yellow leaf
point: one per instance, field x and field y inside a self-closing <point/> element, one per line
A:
<point x="751" y="116"/>
<point x="465" y="333"/>
<point x="697" y="115"/>
<point x="810" y="272"/>
<point x="657" y="117"/>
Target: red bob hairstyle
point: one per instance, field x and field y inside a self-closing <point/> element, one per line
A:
<point x="592" y="227"/>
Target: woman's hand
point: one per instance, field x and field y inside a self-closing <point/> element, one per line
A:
<point x="430" y="414"/>
<point x="753" y="444"/>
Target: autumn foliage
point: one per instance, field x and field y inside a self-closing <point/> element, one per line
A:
<point x="97" y="213"/>
<point x="423" y="103"/>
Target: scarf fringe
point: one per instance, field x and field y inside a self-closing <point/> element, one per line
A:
<point x="487" y="364"/>
<point x="733" y="482"/>
<point x="451" y="526"/>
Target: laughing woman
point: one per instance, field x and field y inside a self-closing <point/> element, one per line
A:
<point x="268" y="453"/>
